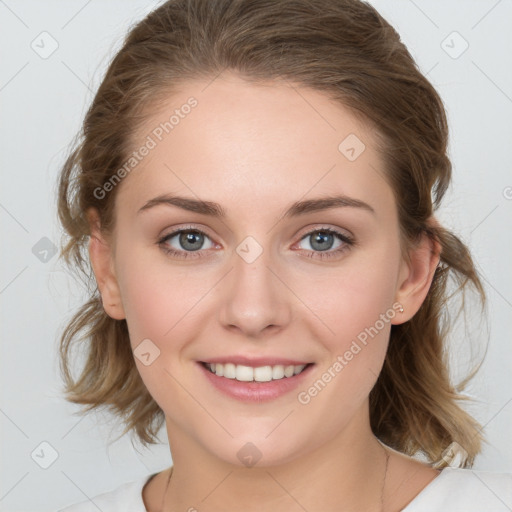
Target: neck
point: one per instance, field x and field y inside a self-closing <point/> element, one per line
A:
<point x="344" y="473"/>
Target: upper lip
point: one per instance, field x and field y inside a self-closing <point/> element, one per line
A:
<point x="256" y="361"/>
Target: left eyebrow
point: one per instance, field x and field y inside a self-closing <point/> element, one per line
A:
<point x="326" y="203"/>
<point x="296" y="209"/>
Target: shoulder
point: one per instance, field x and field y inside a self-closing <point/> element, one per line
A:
<point x="465" y="490"/>
<point x="125" y="498"/>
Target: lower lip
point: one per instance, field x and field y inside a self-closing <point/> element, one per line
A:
<point x="255" y="391"/>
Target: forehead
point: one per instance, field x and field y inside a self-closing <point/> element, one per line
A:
<point x="232" y="141"/>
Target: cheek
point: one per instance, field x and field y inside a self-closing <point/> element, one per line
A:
<point x="161" y="308"/>
<point x="165" y="305"/>
<point x="157" y="296"/>
<point x="356" y="303"/>
<point x="148" y="311"/>
<point x="350" y="300"/>
<point x="359" y="309"/>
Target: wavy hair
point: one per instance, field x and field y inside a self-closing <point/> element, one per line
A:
<point x="345" y="49"/>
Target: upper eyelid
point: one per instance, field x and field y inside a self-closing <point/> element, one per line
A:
<point x="322" y="227"/>
<point x="177" y="231"/>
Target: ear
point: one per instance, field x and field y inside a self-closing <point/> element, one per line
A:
<point x="416" y="274"/>
<point x="101" y="256"/>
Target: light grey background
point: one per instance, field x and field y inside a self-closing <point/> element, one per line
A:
<point x="43" y="101"/>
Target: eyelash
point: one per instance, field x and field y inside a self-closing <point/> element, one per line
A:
<point x="347" y="240"/>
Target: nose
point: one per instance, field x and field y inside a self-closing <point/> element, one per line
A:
<point x="254" y="299"/>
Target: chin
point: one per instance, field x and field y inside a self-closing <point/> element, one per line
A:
<point x="253" y="450"/>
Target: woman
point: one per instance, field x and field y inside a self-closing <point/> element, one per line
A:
<point x="256" y="185"/>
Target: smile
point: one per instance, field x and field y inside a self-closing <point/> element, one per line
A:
<point x="258" y="374"/>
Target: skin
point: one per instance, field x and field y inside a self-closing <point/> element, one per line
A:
<point x="256" y="149"/>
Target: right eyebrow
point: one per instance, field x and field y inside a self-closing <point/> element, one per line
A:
<point x="185" y="203"/>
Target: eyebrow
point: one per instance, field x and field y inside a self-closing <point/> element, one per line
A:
<point x="296" y="209"/>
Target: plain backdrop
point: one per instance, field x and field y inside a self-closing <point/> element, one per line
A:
<point x="53" y="56"/>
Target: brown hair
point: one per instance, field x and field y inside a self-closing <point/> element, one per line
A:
<point x="346" y="50"/>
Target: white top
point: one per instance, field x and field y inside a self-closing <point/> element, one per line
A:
<point x="453" y="490"/>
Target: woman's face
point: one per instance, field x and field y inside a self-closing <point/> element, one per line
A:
<point x="268" y="276"/>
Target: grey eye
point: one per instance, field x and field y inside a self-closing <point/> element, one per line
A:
<point x="189" y="240"/>
<point x="320" y="240"/>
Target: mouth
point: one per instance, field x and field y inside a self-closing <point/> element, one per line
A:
<point x="261" y="382"/>
<point x="264" y="373"/>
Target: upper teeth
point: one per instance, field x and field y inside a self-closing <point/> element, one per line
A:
<point x="259" y="374"/>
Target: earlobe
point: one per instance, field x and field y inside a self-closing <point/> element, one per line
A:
<point x="416" y="277"/>
<point x="100" y="254"/>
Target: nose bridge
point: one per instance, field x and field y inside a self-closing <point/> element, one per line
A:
<point x="255" y="298"/>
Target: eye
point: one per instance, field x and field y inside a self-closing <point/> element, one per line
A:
<point x="181" y="242"/>
<point x="320" y="242"/>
